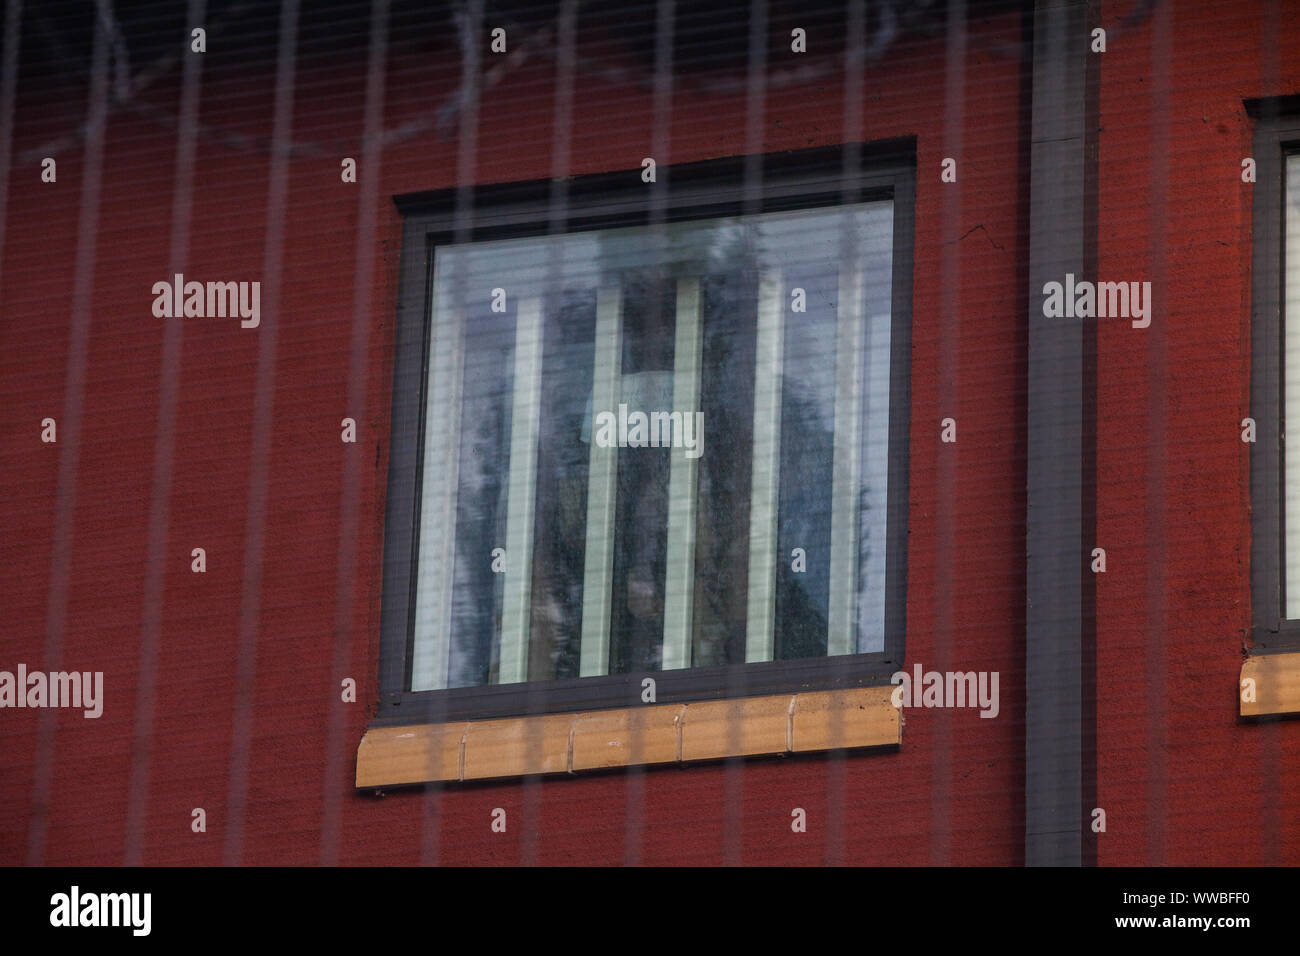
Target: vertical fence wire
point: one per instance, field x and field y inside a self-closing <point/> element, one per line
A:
<point x="259" y="465"/>
<point x="852" y="130"/>
<point x="156" y="556"/>
<point x="1270" y="748"/>
<point x="565" y="37"/>
<point x="97" y="111"/>
<point x="661" y="152"/>
<point x="468" y="18"/>
<point x="946" y="490"/>
<point x="1155" y="514"/>
<point x="8" y="90"/>
<point x="336" y="764"/>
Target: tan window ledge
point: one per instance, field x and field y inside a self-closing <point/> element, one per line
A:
<point x="1276" y="685"/>
<point x="630" y="736"/>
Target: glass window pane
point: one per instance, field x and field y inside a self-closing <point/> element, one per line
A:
<point x="648" y="422"/>
<point x="1291" y="388"/>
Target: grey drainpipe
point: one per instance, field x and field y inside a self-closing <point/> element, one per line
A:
<point x="1060" y="778"/>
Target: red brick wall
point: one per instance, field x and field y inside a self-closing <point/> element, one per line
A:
<point x="1180" y="779"/>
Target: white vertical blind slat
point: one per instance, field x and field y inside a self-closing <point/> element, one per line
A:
<point x="760" y="619"/>
<point x="598" y="568"/>
<point x="845" y="464"/>
<point x="437" y="549"/>
<point x="679" y="586"/>
<point x="522" y="493"/>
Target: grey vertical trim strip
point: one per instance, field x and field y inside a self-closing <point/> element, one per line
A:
<point x="1055" y="549"/>
<point x="1088" y="663"/>
<point x="1266" y="336"/>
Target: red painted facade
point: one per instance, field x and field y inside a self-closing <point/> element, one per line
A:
<point x="1182" y="780"/>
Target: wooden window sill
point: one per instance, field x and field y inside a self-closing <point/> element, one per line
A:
<point x="1277" y="685"/>
<point x="631" y="736"/>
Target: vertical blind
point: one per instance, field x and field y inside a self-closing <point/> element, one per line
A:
<point x="742" y="519"/>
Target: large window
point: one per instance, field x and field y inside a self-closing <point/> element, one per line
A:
<point x="1275" y="376"/>
<point x="667" y="441"/>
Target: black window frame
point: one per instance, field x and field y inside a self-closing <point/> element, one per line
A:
<point x="1277" y="135"/>
<point x="712" y="189"/>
